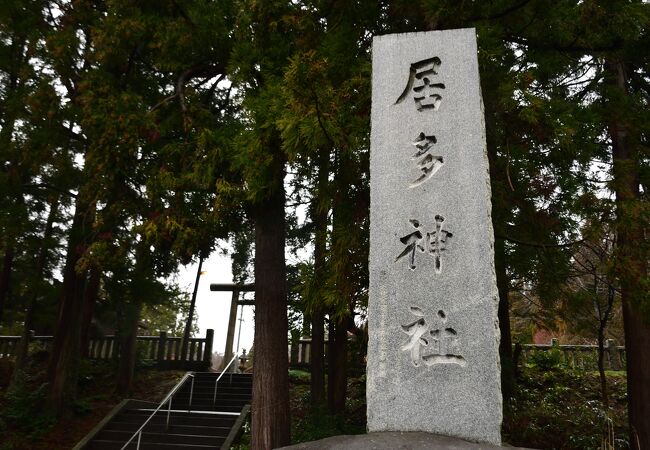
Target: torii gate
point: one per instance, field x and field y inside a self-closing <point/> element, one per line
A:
<point x="236" y="289"/>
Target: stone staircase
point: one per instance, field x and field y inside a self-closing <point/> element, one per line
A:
<point x="212" y="420"/>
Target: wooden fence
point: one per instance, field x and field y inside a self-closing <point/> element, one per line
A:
<point x="165" y="350"/>
<point x="300" y="352"/>
<point x="583" y="357"/>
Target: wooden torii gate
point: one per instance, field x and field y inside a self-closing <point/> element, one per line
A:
<point x="236" y="289"/>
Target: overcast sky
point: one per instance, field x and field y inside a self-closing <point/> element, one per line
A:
<point x="213" y="308"/>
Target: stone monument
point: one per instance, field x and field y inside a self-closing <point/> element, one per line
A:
<point x="433" y="362"/>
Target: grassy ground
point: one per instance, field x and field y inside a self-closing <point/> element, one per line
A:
<point x="553" y="408"/>
<point x="556" y="408"/>
<point x="24" y="425"/>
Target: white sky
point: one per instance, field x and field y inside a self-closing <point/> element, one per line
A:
<point x="213" y="308"/>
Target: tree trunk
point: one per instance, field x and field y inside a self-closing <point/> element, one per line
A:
<point x="637" y="343"/>
<point x="317" y="358"/>
<point x="342" y="272"/>
<point x="318" y="316"/>
<point x="90" y="297"/>
<point x="128" y="340"/>
<point x="337" y="382"/>
<point x="601" y="365"/>
<point x="603" y="319"/>
<point x="21" y="353"/>
<point x="270" y="410"/>
<point x="190" y="315"/>
<point x="632" y="265"/>
<point x="5" y="277"/>
<point x="9" y="117"/>
<point x="64" y="359"/>
<point x="331" y="361"/>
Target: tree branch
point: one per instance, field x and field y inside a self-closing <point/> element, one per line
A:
<point x="320" y="122"/>
<point x="208" y="71"/>
<point x="537" y="244"/>
<point x="503" y="13"/>
<point x="51" y="188"/>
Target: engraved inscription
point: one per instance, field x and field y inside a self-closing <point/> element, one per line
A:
<point x="445" y="345"/>
<point x="437" y="242"/>
<point x="433" y="244"/>
<point x="412" y="242"/>
<point x="427" y="163"/>
<point x="425" y="92"/>
<point x="416" y="330"/>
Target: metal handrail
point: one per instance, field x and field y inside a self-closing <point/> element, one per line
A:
<point x="214" y="397"/>
<point x="168" y="398"/>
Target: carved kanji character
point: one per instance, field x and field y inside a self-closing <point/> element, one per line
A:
<point x="416" y="330"/>
<point x="444" y="340"/>
<point x="413" y="243"/>
<point x="427" y="163"/>
<point x="425" y="92"/>
<point x="437" y="241"/>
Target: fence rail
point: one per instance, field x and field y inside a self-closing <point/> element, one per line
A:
<point x="166" y="350"/>
<point x="583" y="357"/>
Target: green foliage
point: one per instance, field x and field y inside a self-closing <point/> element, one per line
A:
<point x="320" y="425"/>
<point x="245" y="440"/>
<point x="168" y="311"/>
<point x="309" y="424"/>
<point x="546" y="360"/>
<point x="81" y="406"/>
<point x="24" y="405"/>
<point x="299" y="377"/>
<point x="561" y="408"/>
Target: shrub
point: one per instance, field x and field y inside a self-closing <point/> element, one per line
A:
<point x="546" y="360"/>
<point x="24" y="405"/>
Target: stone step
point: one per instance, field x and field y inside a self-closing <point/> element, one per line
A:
<point x="220" y="387"/>
<point x="100" y="444"/>
<point x="220" y="395"/>
<point x="161" y="438"/>
<point x="174" y="427"/>
<point x="187" y="430"/>
<point x="224" y="380"/>
<point x="215" y="375"/>
<point x="209" y="388"/>
<point x="197" y="402"/>
<point x="203" y="399"/>
<point x="207" y="406"/>
<point x="208" y="420"/>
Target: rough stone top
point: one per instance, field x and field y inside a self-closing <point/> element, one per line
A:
<point x="389" y="440"/>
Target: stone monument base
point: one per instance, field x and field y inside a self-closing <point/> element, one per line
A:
<point x="393" y="440"/>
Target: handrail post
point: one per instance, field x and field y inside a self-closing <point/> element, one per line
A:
<point x="169" y="410"/>
<point x="162" y="341"/>
<point x="207" y="349"/>
<point x="214" y="397"/>
<point x="189" y="405"/>
<point x="137" y="447"/>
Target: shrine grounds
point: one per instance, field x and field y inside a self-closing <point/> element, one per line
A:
<point x="554" y="407"/>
